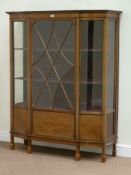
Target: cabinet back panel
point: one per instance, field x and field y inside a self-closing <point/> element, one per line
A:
<point x="20" y="120"/>
<point x="53" y="124"/>
<point x="91" y="127"/>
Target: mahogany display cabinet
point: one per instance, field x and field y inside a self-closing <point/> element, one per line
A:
<point x="64" y="78"/>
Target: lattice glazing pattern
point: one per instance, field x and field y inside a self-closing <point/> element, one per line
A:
<point x="53" y="64"/>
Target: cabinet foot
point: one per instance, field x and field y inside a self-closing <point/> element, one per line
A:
<point x="77" y="154"/>
<point x="103" y="156"/>
<point x="29" y="147"/>
<point x="114" y="150"/>
<point x="12" y="146"/>
<point x="29" y="150"/>
<point x="25" y="142"/>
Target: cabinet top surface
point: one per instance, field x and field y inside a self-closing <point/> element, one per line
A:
<point x="65" y="11"/>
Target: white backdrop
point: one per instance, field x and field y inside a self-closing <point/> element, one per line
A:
<point x="124" y="126"/>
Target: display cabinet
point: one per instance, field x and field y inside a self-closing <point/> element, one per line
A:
<point x="64" y="78"/>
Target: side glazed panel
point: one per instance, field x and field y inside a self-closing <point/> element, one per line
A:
<point x="20" y="62"/>
<point x="91" y="59"/>
<point x="110" y="65"/>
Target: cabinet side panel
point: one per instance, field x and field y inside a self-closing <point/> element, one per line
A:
<point x="91" y="127"/>
<point x="53" y="124"/>
<point x="20" y="120"/>
<point x="109" y="132"/>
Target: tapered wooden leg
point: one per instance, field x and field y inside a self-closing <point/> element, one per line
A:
<point x="77" y="154"/>
<point x="12" y="145"/>
<point x="25" y="142"/>
<point x="103" y="156"/>
<point x="114" y="150"/>
<point x="29" y="147"/>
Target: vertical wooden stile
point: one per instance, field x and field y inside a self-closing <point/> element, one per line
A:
<point x="11" y="85"/>
<point x="29" y="73"/>
<point x="105" y="65"/>
<point x="116" y="95"/>
<point x="77" y="75"/>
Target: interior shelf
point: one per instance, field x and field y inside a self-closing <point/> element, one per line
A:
<point x="52" y="81"/>
<point x="20" y="78"/>
<point x="20" y="48"/>
<point x="67" y="50"/>
<point x="92" y="82"/>
<point x="21" y="105"/>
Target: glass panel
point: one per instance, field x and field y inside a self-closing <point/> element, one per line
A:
<point x="20" y="66"/>
<point x="53" y="63"/>
<point x="91" y="65"/>
<point x="110" y="68"/>
<point x="20" y="92"/>
<point x="20" y="32"/>
<point x="20" y="62"/>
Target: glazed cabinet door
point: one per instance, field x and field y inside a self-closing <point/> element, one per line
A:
<point x="53" y="52"/>
<point x="91" y="78"/>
